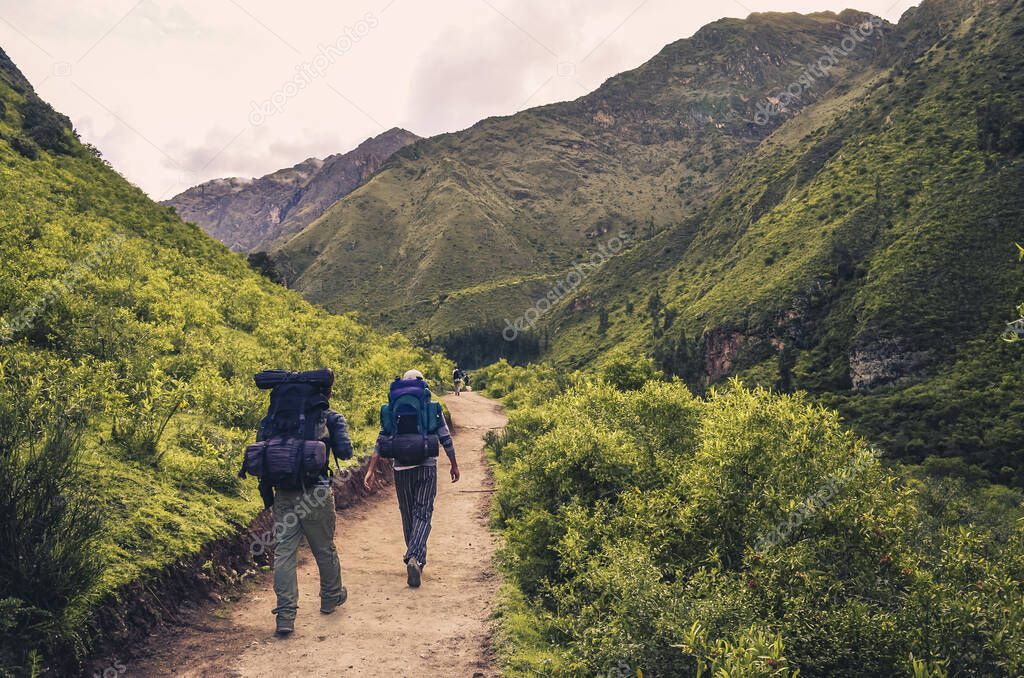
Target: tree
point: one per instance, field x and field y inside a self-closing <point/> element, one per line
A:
<point x="787" y="361"/>
<point x="602" y="320"/>
<point x="629" y="373"/>
<point x="1015" y="329"/>
<point x="672" y="353"/>
<point x="46" y="127"/>
<point x="654" y="310"/>
<point x="264" y="264"/>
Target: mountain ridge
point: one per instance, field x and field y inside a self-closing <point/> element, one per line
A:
<point x="863" y="253"/>
<point x="517" y="196"/>
<point x="249" y="214"/>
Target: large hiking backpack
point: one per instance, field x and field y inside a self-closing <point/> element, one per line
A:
<point x="409" y="423"/>
<point x="290" y="452"/>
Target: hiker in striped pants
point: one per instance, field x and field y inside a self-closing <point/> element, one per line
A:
<point x="416" y="487"/>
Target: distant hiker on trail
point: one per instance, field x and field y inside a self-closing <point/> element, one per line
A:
<point x="411" y="429"/>
<point x="457" y="380"/>
<point x="290" y="459"/>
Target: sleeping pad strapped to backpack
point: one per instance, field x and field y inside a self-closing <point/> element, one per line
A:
<point x="409" y="423"/>
<point x="290" y="452"/>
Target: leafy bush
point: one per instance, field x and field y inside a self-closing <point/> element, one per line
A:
<point x="518" y="386"/>
<point x="45" y="126"/>
<point x="748" y="534"/>
<point x="24" y="147"/>
<point x="629" y="373"/>
<point x="48" y="527"/>
<point x="264" y="264"/>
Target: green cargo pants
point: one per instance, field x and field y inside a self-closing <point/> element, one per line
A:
<point x="310" y="513"/>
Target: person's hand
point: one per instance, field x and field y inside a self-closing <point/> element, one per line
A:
<point x="455" y="473"/>
<point x="369" y="476"/>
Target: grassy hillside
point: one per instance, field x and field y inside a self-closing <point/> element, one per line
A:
<point x="467" y="229"/>
<point x="130" y="339"/>
<point x="864" y="252"/>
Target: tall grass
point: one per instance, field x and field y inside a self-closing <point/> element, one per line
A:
<point x="47" y="526"/>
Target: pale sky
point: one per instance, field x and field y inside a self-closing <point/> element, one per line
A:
<point x="176" y="92"/>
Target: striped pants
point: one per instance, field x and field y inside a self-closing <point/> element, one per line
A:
<point x="416" y="488"/>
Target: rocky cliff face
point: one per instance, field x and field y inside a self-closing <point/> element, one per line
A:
<point x="884" y="361"/>
<point x="250" y="214"/>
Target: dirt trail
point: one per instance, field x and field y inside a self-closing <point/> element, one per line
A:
<point x="385" y="628"/>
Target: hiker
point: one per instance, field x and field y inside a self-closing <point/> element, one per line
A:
<point x="412" y="426"/>
<point x="457" y="380"/>
<point x="290" y="460"/>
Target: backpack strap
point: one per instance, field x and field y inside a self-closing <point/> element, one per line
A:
<point x="300" y="459"/>
<point x="263" y="456"/>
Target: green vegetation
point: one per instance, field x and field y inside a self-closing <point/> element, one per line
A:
<point x="125" y="383"/>
<point x="851" y="256"/>
<point x="743" y="534"/>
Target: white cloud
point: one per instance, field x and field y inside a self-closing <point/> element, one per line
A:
<point x="162" y="86"/>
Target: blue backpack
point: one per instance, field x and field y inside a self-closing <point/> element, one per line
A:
<point x="409" y="422"/>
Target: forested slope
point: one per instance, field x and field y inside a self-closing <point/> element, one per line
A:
<point x="864" y="252"/>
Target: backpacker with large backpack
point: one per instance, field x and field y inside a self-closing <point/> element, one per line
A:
<point x="290" y="452"/>
<point x="409" y="423"/>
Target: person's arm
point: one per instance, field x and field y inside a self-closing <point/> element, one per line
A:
<point x="445" y="436"/>
<point x="370" y="477"/>
<point x="266" y="493"/>
<point x="341" y="443"/>
<point x="371" y="469"/>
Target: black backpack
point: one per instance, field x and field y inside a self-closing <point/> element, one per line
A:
<point x="290" y="449"/>
<point x="298" y="404"/>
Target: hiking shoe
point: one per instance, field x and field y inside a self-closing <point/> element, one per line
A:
<point x="285" y="626"/>
<point x="414" y="569"/>
<point x="329" y="605"/>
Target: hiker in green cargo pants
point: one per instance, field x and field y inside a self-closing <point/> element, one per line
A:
<point x="308" y="512"/>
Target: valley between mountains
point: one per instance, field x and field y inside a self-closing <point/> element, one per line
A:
<point x="762" y="416"/>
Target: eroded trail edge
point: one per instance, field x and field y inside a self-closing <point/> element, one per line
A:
<point x="385" y="628"/>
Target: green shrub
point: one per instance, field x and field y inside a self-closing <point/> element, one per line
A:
<point x="518" y="386"/>
<point x="629" y="373"/>
<point x="748" y="534"/>
<point x="48" y="527"/>
<point x="46" y="127"/>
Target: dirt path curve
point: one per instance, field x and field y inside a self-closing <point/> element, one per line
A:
<point x="385" y="628"/>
